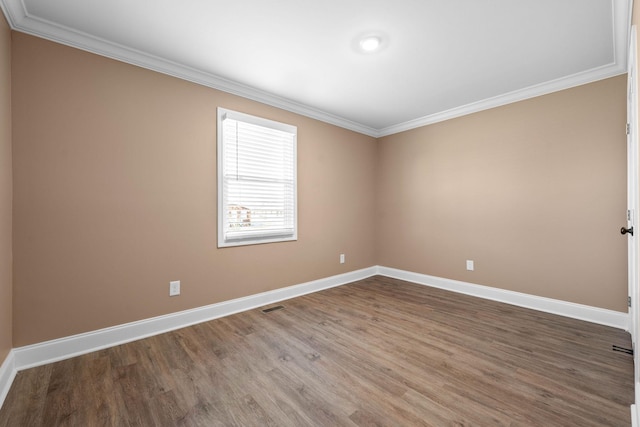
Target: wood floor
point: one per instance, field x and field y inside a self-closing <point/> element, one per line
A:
<point x="374" y="352"/>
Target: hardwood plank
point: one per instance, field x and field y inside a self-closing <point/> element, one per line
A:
<point x="27" y="395"/>
<point x="375" y="352"/>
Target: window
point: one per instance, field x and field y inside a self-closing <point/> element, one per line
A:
<point x="256" y="180"/>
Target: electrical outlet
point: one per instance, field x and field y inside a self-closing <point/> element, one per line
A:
<point x="341" y="258"/>
<point x="174" y="288"/>
<point x="470" y="265"/>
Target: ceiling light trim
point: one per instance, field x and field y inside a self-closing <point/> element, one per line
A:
<point x="370" y="43"/>
<point x="19" y="19"/>
<point x="358" y="44"/>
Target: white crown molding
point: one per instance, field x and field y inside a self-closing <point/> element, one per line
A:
<point x="20" y="20"/>
<point x="587" y="313"/>
<point x="7" y="374"/>
<point x="509" y="98"/>
<point x="621" y="25"/>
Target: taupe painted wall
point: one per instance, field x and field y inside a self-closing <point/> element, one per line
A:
<point x="533" y="192"/>
<point x="115" y="195"/>
<point x="5" y="192"/>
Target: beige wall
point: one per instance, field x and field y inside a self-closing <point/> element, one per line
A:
<point x="533" y="192"/>
<point x="115" y="195"/>
<point x="5" y="192"/>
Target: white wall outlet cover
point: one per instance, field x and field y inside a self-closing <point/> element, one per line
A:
<point x="341" y="258"/>
<point x="469" y="265"/>
<point x="174" y="288"/>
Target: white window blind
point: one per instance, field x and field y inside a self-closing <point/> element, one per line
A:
<point x="256" y="180"/>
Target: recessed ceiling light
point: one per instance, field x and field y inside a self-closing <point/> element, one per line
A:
<point x="370" y="43"/>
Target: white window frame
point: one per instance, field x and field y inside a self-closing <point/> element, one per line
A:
<point x="270" y="237"/>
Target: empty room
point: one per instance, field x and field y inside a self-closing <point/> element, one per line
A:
<point x="407" y="213"/>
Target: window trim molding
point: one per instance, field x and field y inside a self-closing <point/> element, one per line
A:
<point x="223" y="113"/>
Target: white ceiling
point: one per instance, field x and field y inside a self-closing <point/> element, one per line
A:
<point x="440" y="59"/>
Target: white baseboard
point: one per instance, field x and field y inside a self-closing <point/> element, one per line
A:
<point x="597" y="315"/>
<point x="7" y="374"/>
<point x="635" y="408"/>
<point x="64" y="348"/>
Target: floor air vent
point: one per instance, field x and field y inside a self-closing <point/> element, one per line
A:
<point x="623" y="350"/>
<point x="269" y="310"/>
